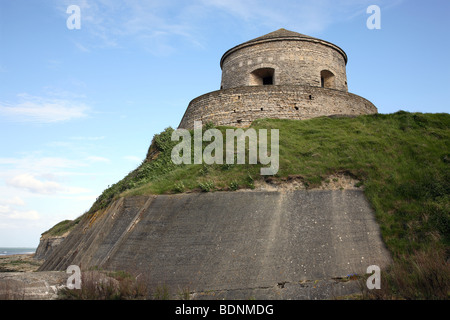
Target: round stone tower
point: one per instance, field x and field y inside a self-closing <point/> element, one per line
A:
<point x="283" y="75"/>
<point x="283" y="58"/>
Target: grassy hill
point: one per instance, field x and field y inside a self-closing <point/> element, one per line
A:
<point x="401" y="159"/>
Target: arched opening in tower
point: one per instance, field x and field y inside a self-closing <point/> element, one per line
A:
<point x="327" y="79"/>
<point x="262" y="77"/>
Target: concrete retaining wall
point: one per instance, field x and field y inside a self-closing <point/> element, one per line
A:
<point x="231" y="242"/>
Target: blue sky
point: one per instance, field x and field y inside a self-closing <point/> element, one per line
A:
<point x="78" y="108"/>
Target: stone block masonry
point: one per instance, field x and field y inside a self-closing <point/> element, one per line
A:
<point x="281" y="75"/>
<point x="240" y="106"/>
<point x="292" y="61"/>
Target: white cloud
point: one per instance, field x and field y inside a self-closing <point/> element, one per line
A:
<point x="39" y="175"/>
<point x="308" y="17"/>
<point x="30" y="183"/>
<point x="8" y="213"/>
<point x="55" y="92"/>
<point x="43" y="110"/>
<point x="158" y="26"/>
<point x="16" y="201"/>
<point x="32" y="163"/>
<point x="24" y="215"/>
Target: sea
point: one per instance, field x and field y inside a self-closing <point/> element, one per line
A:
<point x="4" y="251"/>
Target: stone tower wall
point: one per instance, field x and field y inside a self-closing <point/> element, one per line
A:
<point x="296" y="62"/>
<point x="239" y="107"/>
<point x="281" y="75"/>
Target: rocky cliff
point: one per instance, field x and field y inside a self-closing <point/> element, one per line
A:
<point x="46" y="246"/>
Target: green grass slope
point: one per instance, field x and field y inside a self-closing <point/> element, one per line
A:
<point x="402" y="159"/>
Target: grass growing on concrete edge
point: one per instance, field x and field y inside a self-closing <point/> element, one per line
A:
<point x="402" y="159"/>
<point x="61" y="228"/>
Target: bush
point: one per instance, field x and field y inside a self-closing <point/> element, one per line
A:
<point x="234" y="185"/>
<point x="100" y="285"/>
<point x="206" y="186"/>
<point x="179" y="187"/>
<point x="422" y="275"/>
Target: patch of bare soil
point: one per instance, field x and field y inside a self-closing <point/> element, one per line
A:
<point x="337" y="181"/>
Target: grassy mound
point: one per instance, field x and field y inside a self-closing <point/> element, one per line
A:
<point x="402" y="159"/>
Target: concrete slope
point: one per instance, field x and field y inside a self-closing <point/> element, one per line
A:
<point x="235" y="244"/>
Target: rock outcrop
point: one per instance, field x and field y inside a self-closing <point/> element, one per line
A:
<point x="46" y="246"/>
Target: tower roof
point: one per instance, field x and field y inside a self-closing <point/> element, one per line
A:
<point x="281" y="35"/>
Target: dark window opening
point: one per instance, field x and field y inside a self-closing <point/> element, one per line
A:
<point x="296" y="108"/>
<point x="262" y="77"/>
<point x="239" y="121"/>
<point x="327" y="79"/>
<point x="310" y="97"/>
<point x="262" y="109"/>
<point x="267" y="81"/>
